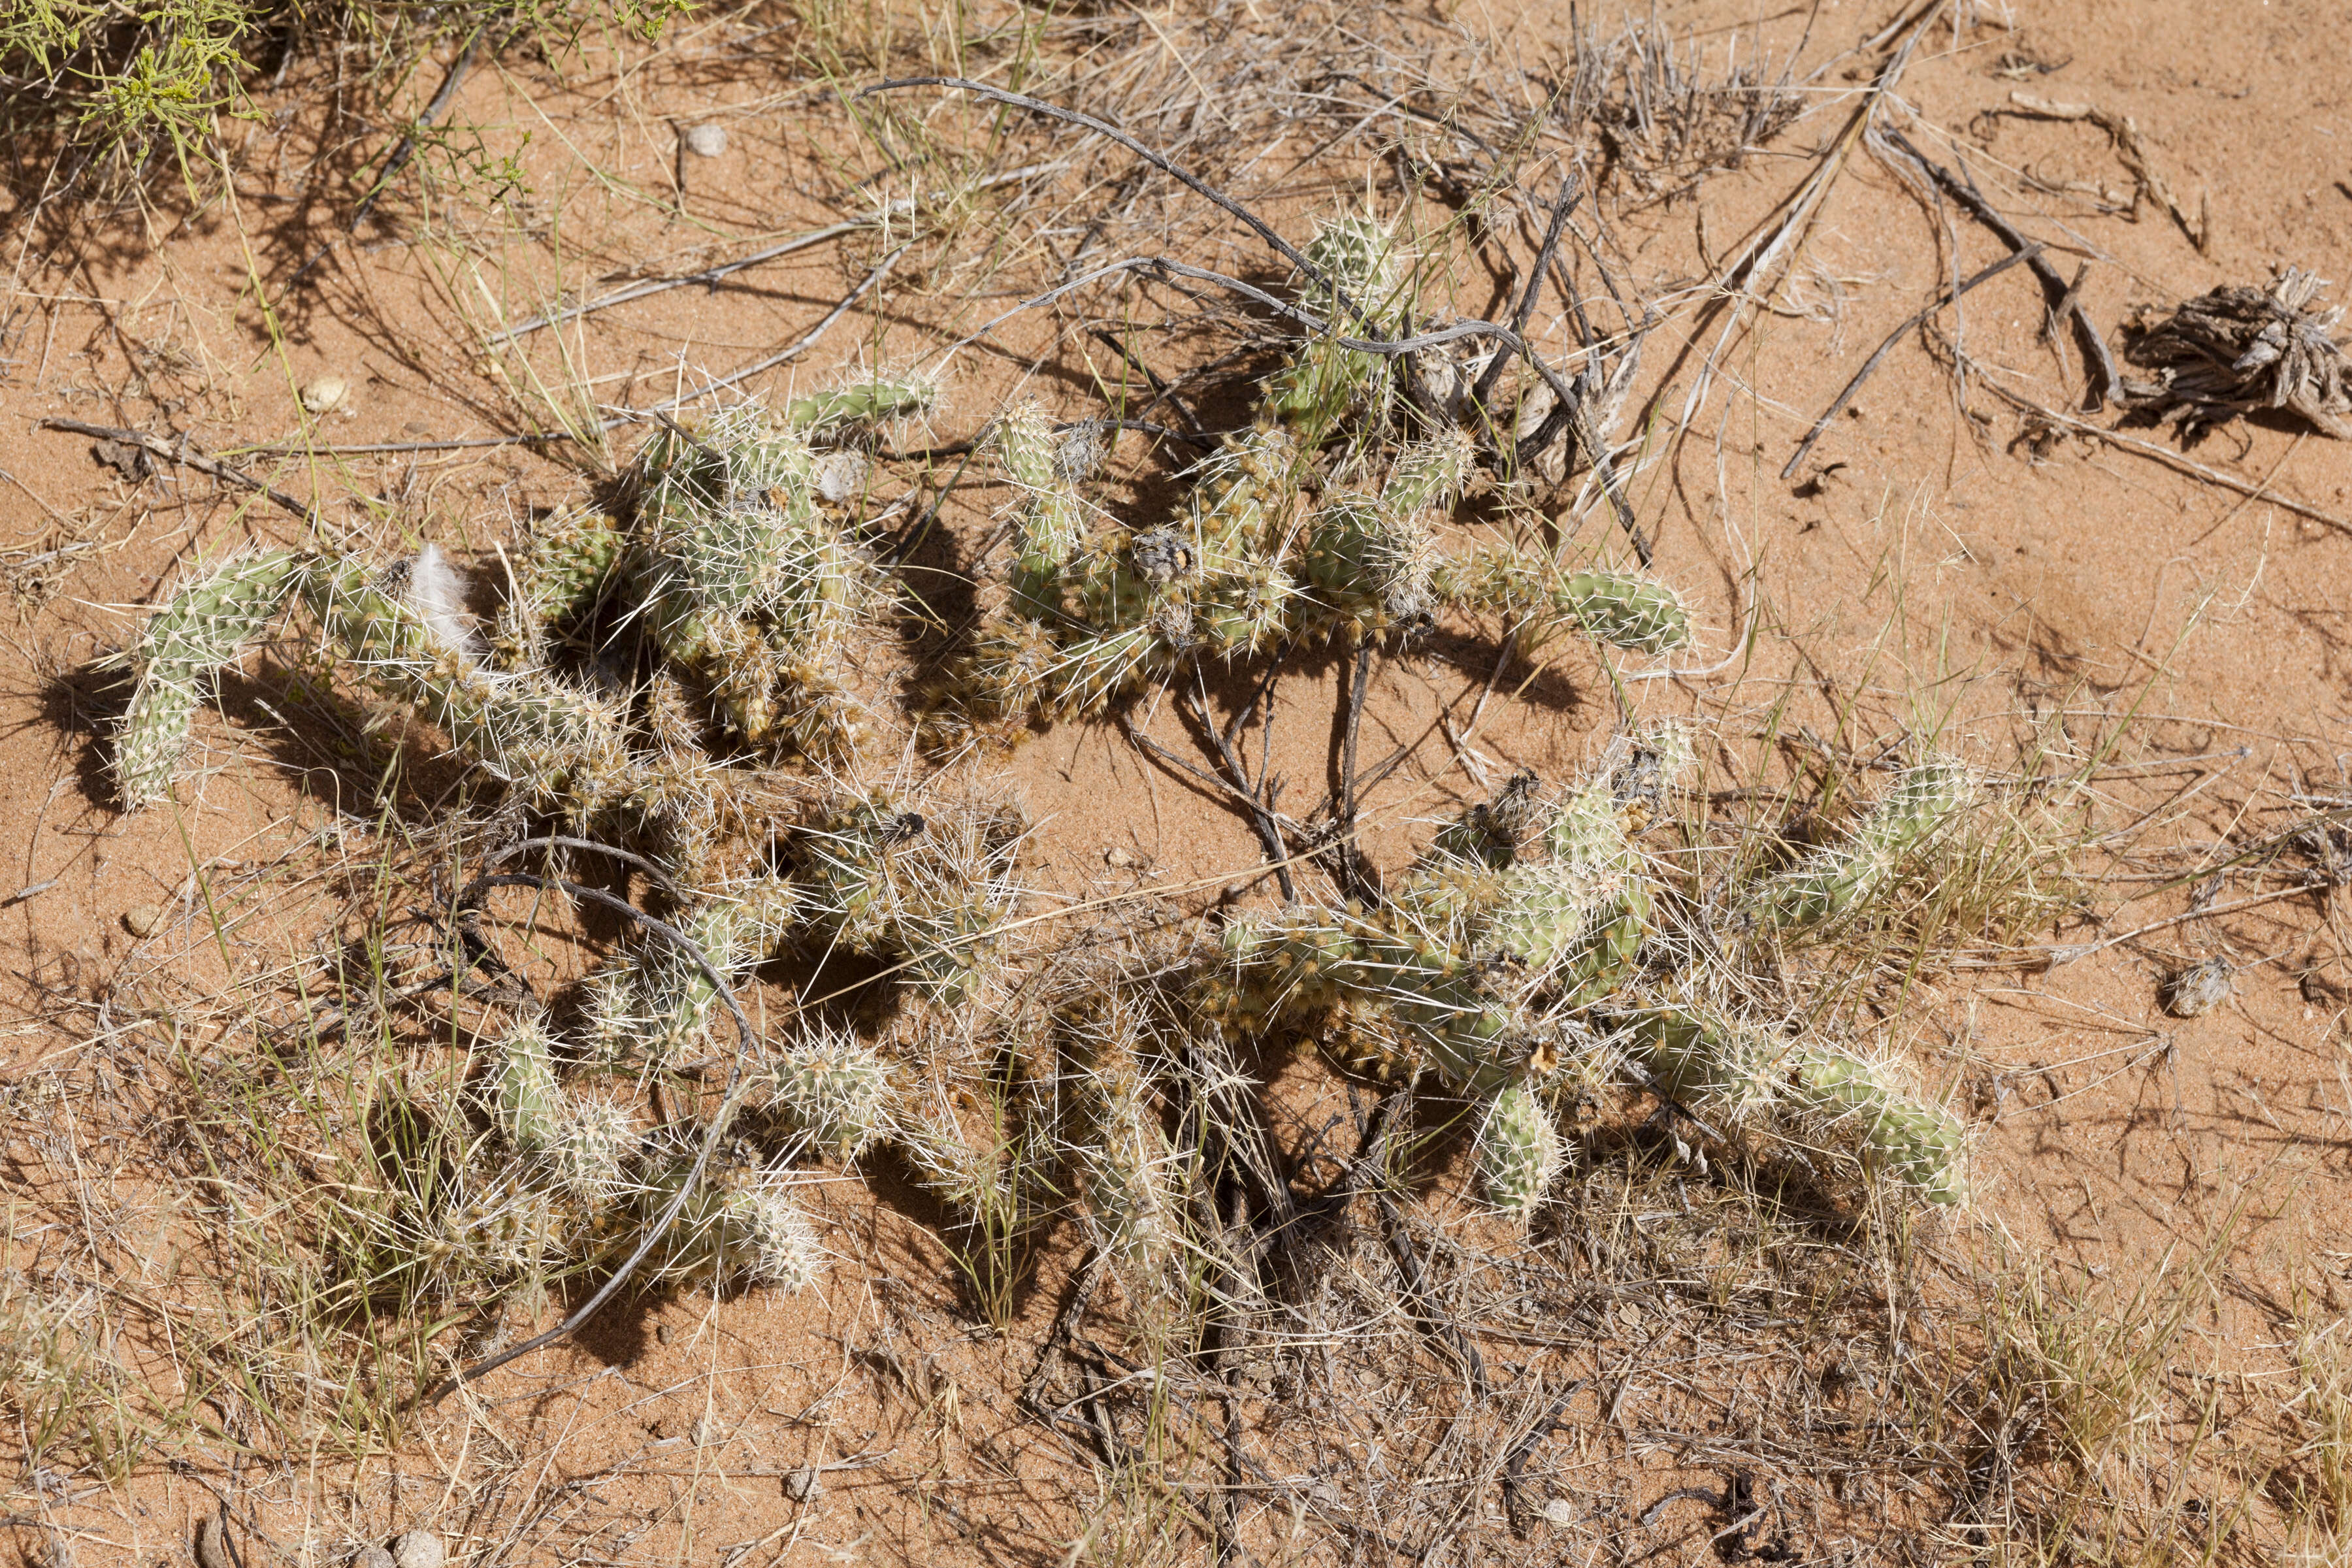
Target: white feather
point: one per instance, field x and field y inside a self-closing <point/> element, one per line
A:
<point x="436" y="592"/>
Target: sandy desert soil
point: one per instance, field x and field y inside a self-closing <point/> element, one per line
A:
<point x="2128" y="1346"/>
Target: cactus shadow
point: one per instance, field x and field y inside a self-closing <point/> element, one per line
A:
<point x="85" y="702"/>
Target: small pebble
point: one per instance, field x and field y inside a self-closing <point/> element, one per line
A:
<point x="802" y="1484"/>
<point x="325" y="394"/>
<point x="2197" y="989"/>
<point x="140" y="920"/>
<point x="705" y="140"/>
<point x="372" y="1556"/>
<point x="1561" y="1511"/>
<point x="417" y="1549"/>
<point x="1118" y="857"/>
<point x="841" y="475"/>
<point x="661" y="1333"/>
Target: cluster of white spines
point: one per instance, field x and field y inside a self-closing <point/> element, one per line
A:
<point x="833" y="1091"/>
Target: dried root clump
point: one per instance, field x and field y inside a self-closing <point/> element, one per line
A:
<point x="2196" y="989"/>
<point x="2237" y="349"/>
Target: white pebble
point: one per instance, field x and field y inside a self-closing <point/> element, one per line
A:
<point x="417" y="1549"/>
<point x="325" y="394"/>
<point x="841" y="475"/>
<point x="2197" y="989"/>
<point x="705" y="140"/>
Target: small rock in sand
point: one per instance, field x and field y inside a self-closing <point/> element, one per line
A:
<point x="417" y="1549"/>
<point x="705" y="140"/>
<point x="325" y="394"/>
<point x="140" y="920"/>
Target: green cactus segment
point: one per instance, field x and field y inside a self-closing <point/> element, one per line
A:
<point x="1853" y="1103"/>
<point x="1381" y="996"/>
<point x="734" y="1229"/>
<point x="682" y="996"/>
<point x="579" y="1147"/>
<point x="1371" y="563"/>
<point x="521" y="727"/>
<point x="1049" y="525"/>
<point x="833" y="1090"/>
<point x="925" y="889"/>
<point x="1830" y="1100"/>
<point x="1540" y="603"/>
<point x="1552" y="885"/>
<point x="1122" y="1156"/>
<point x="1835" y="880"/>
<point x="871" y="401"/>
<point x="1519" y="1151"/>
<point x="559" y="573"/>
<point x="1322" y="383"/>
<point x="1719" y="1066"/>
<point x="201" y="629"/>
<point x="1431" y="473"/>
<point x="1125" y="1161"/>
<point x="747" y="581"/>
<point x="1241" y="499"/>
<point x="529" y="1100"/>
<point x="1369" y="569"/>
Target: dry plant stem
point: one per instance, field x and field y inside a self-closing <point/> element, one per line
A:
<point x="2063" y="296"/>
<point x="1263" y="821"/>
<point x="2164" y="454"/>
<point x="659" y="1230"/>
<point x="155" y="446"/>
<point x="1846" y="393"/>
<point x="866" y="286"/>
<point x="710" y="276"/>
<point x="2055" y="955"/>
<point x="404" y="150"/>
<point x="1561" y="209"/>
<point x="1269" y="832"/>
<point x="1161" y="392"/>
<point x="1190" y="181"/>
<point x="2124" y="133"/>
<point x="1737" y="285"/>
<point x="1515" y="1462"/>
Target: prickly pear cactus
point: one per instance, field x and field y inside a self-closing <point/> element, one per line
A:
<point x="200" y="630"/>
<point x="1519" y="1151"/>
